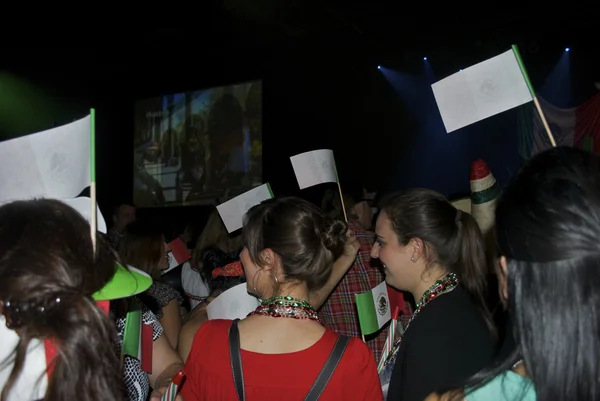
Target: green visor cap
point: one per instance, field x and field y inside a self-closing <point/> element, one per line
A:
<point x="125" y="283"/>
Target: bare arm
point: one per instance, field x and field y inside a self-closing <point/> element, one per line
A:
<point x="171" y="322"/>
<point x="340" y="268"/>
<point x="165" y="363"/>
<point x="189" y="329"/>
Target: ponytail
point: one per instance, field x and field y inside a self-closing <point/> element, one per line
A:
<point x="84" y="337"/>
<point x="453" y="235"/>
<point x="472" y="263"/>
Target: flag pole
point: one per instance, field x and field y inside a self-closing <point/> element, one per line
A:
<point x="536" y="102"/>
<point x="342" y="201"/>
<point x="93" y="212"/>
<point x="337" y="178"/>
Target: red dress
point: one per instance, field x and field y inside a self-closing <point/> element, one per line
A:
<point x="276" y="377"/>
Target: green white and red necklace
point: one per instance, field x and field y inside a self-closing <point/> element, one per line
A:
<point x="285" y="306"/>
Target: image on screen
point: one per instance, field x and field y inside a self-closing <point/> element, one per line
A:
<point x="198" y="148"/>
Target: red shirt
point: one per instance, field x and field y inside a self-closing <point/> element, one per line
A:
<point x="276" y="376"/>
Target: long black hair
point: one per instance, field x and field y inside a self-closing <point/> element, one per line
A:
<point x="48" y="274"/>
<point x="548" y="228"/>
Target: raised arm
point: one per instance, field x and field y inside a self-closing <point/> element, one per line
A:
<point x="340" y="268"/>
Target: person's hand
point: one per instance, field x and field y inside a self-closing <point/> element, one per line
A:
<point x="158" y="393"/>
<point x="352" y="246"/>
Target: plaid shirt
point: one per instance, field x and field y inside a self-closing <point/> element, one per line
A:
<point x="339" y="312"/>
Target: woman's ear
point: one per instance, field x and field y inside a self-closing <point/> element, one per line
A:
<point x="418" y="248"/>
<point x="267" y="259"/>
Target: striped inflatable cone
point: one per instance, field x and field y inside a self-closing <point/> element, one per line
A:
<point x="484" y="195"/>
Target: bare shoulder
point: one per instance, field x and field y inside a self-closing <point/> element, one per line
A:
<point x="188" y="332"/>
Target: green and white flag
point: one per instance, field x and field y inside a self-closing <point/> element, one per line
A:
<point x="373" y="309"/>
<point x="483" y="90"/>
<point x="49" y="164"/>
<point x="137" y="338"/>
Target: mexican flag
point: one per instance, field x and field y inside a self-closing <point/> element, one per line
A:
<point x="374" y="309"/>
<point x="577" y="127"/>
<point x="137" y="339"/>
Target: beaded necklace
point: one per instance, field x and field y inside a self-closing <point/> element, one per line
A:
<point x="441" y="286"/>
<point x="280" y="306"/>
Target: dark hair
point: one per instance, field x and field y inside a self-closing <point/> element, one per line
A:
<point x="118" y="208"/>
<point x="142" y="246"/>
<point x="547" y="226"/>
<point x="297" y="231"/>
<point x="46" y="254"/>
<point x="213" y="257"/>
<point x="225" y="114"/>
<point x="353" y="193"/>
<point x="452" y="238"/>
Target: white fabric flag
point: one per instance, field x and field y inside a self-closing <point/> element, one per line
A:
<point x="235" y="303"/>
<point x="83" y="205"/>
<point x="49" y="164"/>
<point x="315" y="167"/>
<point x="481" y="91"/>
<point x="232" y="212"/>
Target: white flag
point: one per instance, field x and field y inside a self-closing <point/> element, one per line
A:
<point x="49" y="164"/>
<point x="232" y="212"/>
<point x="481" y="91"/>
<point x="83" y="205"/>
<point x="313" y="168"/>
<point x="235" y="303"/>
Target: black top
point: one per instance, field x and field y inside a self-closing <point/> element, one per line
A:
<point x="446" y="343"/>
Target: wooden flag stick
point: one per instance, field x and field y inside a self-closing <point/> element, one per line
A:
<point x="544" y="122"/>
<point x="93" y="212"/>
<point x="342" y="201"/>
<point x="515" y="50"/>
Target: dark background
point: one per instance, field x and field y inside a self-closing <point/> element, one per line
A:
<point x="322" y="89"/>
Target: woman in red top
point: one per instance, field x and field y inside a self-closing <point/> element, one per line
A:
<point x="290" y="246"/>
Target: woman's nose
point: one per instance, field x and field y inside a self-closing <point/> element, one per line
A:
<point x="375" y="251"/>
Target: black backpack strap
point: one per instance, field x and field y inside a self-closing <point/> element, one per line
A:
<point x="327" y="371"/>
<point x="236" y="360"/>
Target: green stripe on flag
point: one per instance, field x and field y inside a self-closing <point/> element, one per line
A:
<point x="270" y="190"/>
<point x="92" y="145"/>
<point x="132" y="334"/>
<point x="367" y="315"/>
<point x="515" y="50"/>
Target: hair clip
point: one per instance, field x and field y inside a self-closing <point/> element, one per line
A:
<point x="17" y="314"/>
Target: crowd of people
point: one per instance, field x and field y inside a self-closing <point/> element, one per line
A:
<point x="305" y="263"/>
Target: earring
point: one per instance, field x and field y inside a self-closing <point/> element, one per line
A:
<point x="274" y="277"/>
<point x="254" y="285"/>
<point x="412" y="259"/>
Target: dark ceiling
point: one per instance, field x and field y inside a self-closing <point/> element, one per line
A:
<point x="117" y="45"/>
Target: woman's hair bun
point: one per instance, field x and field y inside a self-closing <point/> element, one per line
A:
<point x="333" y="235"/>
